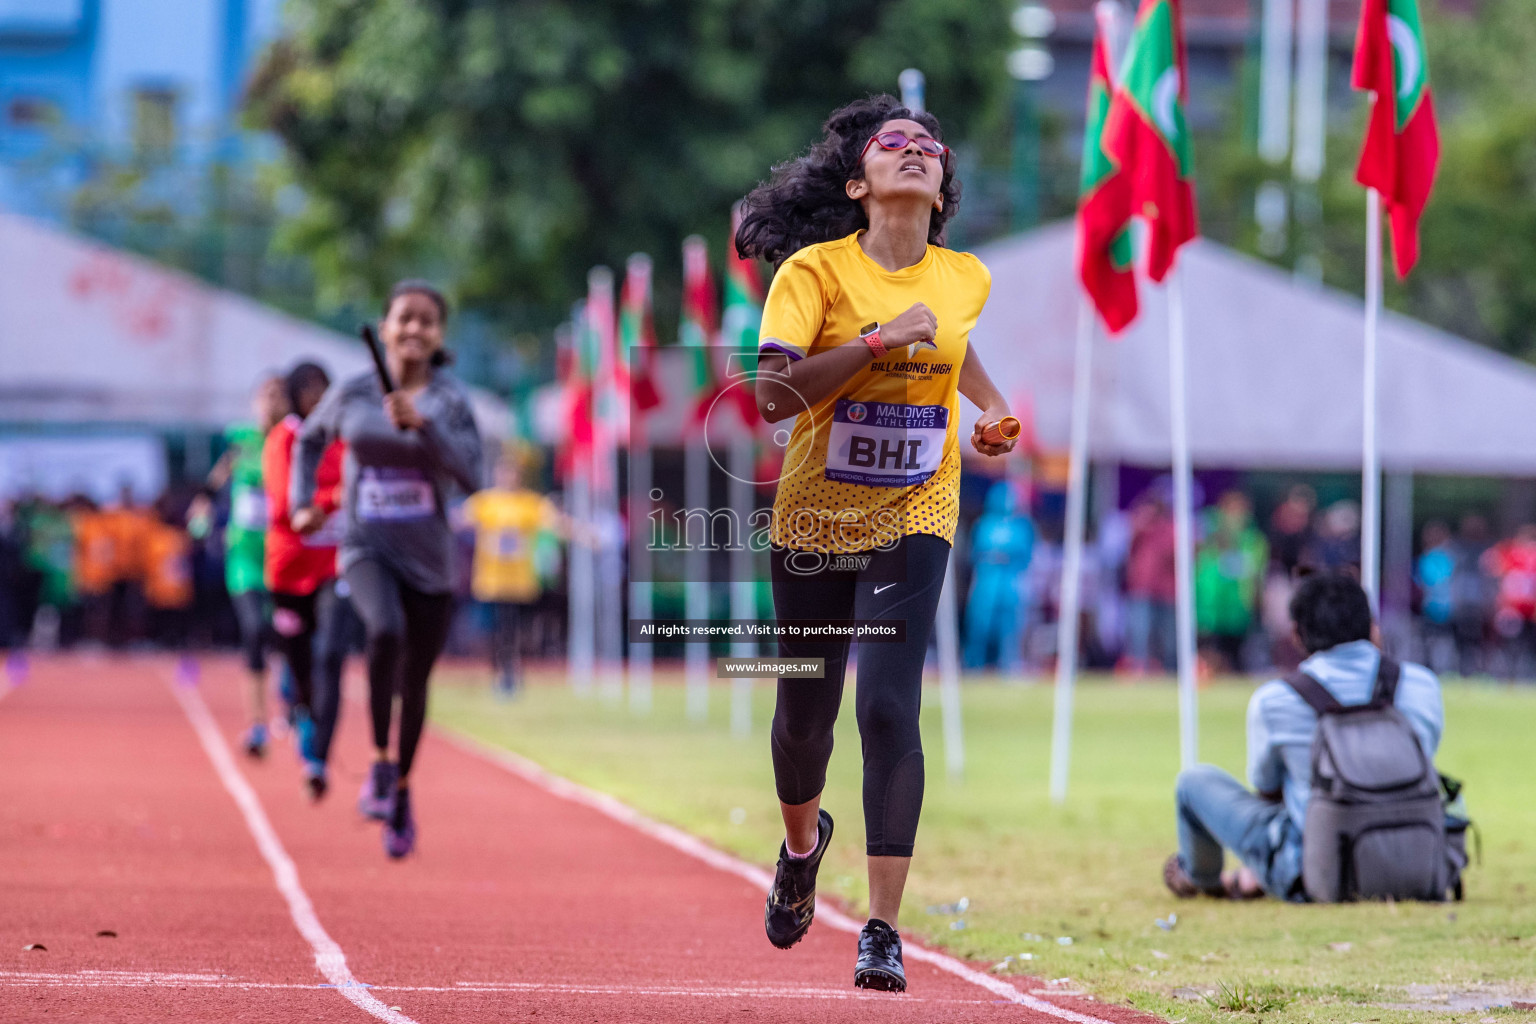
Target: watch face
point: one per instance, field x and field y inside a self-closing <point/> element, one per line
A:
<point x="869" y="328"/>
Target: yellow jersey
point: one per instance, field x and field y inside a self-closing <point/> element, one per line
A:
<point x="507" y="527"/>
<point x="878" y="458"/>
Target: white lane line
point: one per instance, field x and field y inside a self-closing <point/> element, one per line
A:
<point x="532" y="772"/>
<point x="329" y="959"/>
<point x="151" y="979"/>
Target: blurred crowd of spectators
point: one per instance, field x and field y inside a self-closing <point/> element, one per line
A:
<point x="130" y="574"/>
<point x="1473" y="611"/>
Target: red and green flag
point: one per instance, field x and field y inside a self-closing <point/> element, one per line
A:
<point x="637" y="336"/>
<point x="700" y="323"/>
<point x="741" y="318"/>
<point x="1105" y="255"/>
<point x="743" y="311"/>
<point x="1402" y="146"/>
<point x="1146" y="134"/>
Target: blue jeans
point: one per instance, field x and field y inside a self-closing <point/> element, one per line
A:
<point x="1218" y="812"/>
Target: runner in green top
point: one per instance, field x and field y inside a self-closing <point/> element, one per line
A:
<point x="245" y="541"/>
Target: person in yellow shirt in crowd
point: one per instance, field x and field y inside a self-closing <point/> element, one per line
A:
<point x="511" y="522"/>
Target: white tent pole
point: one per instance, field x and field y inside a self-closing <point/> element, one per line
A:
<point x="1184" y="521"/>
<point x="947" y="639"/>
<point x="608" y="614"/>
<point x="1072" y="562"/>
<point x="580" y="654"/>
<point x="697" y="569"/>
<point x="1370" y="480"/>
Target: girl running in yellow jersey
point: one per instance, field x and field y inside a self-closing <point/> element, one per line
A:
<point x="865" y="339"/>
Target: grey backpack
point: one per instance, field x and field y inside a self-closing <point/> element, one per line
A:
<point x="1376" y="824"/>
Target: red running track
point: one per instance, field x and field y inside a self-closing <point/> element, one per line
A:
<point x="529" y="899"/>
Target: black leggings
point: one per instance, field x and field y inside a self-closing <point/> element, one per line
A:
<point x="890" y="683"/>
<point x="406" y="630"/>
<point x="255" y="633"/>
<point x="318" y="692"/>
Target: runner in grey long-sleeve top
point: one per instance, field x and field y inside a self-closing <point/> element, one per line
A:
<point x="405" y="452"/>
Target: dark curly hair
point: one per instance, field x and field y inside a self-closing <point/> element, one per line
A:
<point x="806" y="201"/>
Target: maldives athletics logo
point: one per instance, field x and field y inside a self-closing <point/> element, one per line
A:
<point x="857" y="413"/>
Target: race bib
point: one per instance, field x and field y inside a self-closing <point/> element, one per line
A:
<point x="509" y="544"/>
<point x="394" y="494"/>
<point x="248" y="509"/>
<point x="885" y="444"/>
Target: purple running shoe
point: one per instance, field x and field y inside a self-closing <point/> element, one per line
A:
<point x="378" y="795"/>
<point x="400" y="827"/>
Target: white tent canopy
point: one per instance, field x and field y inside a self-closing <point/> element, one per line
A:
<point x="91" y="335"/>
<point x="1275" y="370"/>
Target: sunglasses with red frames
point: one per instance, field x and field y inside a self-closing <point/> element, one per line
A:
<point x="928" y="145"/>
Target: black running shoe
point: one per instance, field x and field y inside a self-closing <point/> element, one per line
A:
<point x="792" y="900"/>
<point x="879" y="963"/>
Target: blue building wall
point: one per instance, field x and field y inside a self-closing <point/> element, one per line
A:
<point x="84" y="83"/>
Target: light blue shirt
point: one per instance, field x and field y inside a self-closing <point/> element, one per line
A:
<point x="1281" y="724"/>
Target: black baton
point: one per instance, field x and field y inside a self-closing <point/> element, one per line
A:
<point x="385" y="380"/>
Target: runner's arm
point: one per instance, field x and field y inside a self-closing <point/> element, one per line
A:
<point x="453" y="442"/>
<point x="976" y="385"/>
<point x="321" y="428"/>
<point x="783" y="385"/>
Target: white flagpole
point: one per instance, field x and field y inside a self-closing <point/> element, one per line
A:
<point x="1072" y="561"/>
<point x="641" y="655"/>
<point x="1183" y="516"/>
<point x="580" y="638"/>
<point x="1370" y="480"/>
<point x="947" y="640"/>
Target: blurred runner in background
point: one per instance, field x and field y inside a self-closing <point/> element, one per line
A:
<point x="245" y="541"/>
<point x="405" y="452"/>
<point x="510" y="521"/>
<point x="300" y="573"/>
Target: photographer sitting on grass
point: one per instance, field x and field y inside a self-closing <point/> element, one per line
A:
<point x="1331" y="618"/>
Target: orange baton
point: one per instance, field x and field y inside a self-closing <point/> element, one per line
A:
<point x="1006" y="429"/>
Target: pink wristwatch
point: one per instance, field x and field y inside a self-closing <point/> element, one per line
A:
<point x="870" y="335"/>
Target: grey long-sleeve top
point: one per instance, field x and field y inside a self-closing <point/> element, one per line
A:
<point x="395" y="482"/>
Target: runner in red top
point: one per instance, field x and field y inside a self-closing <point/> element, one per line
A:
<point x="301" y="575"/>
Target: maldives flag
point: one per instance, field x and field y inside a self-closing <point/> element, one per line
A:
<point x="1402" y="146"/>
<point x="1146" y="134"/>
<point x="1104" y="250"/>
<point x="637" y="335"/>
<point x="700" y="317"/>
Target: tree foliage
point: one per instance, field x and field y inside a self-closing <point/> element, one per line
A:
<point x="505" y="147"/>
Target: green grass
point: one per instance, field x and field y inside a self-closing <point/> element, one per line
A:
<point x="1037" y="875"/>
